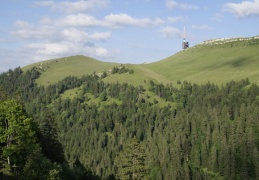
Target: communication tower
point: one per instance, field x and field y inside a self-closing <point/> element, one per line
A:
<point x="185" y="44"/>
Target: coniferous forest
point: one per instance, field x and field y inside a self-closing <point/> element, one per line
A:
<point x="120" y="131"/>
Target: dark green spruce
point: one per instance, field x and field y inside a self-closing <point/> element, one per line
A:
<point x="120" y="131"/>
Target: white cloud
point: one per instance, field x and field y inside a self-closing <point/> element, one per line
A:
<point x="78" y="20"/>
<point x="218" y="17"/>
<point x="172" y="4"/>
<point x="111" y="21"/>
<point x="22" y="24"/>
<point x="122" y="20"/>
<point x="100" y="36"/>
<point x="25" y="30"/>
<point x="52" y="48"/>
<point x="142" y="1"/>
<point x="58" y="41"/>
<point x="158" y="21"/>
<point x="201" y="27"/>
<point x="74" y="35"/>
<point x="243" y="9"/>
<point x="73" y="7"/>
<point x="175" y="19"/>
<point x="171" y="32"/>
<point x="41" y="51"/>
<point x="70" y="34"/>
<point x="101" y="52"/>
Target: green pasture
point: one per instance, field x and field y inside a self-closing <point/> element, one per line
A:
<point x="211" y="63"/>
<point x="55" y="70"/>
<point x="199" y="64"/>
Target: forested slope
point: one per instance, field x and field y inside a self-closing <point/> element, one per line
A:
<point x="117" y="130"/>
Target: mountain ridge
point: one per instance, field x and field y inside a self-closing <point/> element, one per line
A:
<point x="217" y="61"/>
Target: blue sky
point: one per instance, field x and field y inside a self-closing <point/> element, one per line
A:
<point x="124" y="31"/>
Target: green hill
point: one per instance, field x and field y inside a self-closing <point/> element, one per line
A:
<point x="217" y="61"/>
<point x="55" y="70"/>
<point x="84" y="128"/>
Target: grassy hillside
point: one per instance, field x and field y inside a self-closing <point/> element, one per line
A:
<point x="140" y="75"/>
<point x="55" y="70"/>
<point x="215" y="61"/>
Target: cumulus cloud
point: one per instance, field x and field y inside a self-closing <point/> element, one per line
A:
<point x="201" y="27"/>
<point x="25" y="30"/>
<point x="52" y="48"/>
<point x="172" y="4"/>
<point x="170" y="32"/>
<point x="41" y="51"/>
<point x="78" y="20"/>
<point x="109" y="21"/>
<point x="74" y="35"/>
<point x="100" y="36"/>
<point x="218" y="17"/>
<point x="121" y="20"/>
<point x="58" y="41"/>
<point x="77" y="32"/>
<point x="101" y="52"/>
<point x="243" y="9"/>
<point x="175" y="19"/>
<point x="73" y="7"/>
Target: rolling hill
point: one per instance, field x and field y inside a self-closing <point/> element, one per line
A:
<point x="191" y="132"/>
<point x="217" y="61"/>
<point x="55" y="70"/>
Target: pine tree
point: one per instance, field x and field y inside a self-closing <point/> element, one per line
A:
<point x="131" y="162"/>
<point x="17" y="137"/>
<point x="48" y="137"/>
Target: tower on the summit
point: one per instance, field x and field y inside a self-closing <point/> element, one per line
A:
<point x="185" y="44"/>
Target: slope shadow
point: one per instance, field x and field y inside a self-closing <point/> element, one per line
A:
<point x="234" y="63"/>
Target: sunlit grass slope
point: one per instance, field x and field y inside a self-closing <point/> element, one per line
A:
<point x="208" y="62"/>
<point x="217" y="63"/>
<point x="55" y="70"/>
<point x="139" y="77"/>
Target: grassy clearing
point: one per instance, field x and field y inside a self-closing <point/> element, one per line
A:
<point x="91" y="99"/>
<point x="71" y="93"/>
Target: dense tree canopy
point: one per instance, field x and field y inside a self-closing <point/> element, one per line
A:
<point x="131" y="162"/>
<point x="17" y="137"/>
<point x="190" y="132"/>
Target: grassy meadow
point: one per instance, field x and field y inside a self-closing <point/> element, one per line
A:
<point x="198" y="64"/>
<point x="55" y="70"/>
<point x="211" y="63"/>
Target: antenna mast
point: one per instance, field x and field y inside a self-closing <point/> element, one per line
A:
<point x="184" y="34"/>
<point x="185" y="44"/>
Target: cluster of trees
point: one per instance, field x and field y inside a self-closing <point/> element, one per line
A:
<point x="19" y="143"/>
<point x="204" y="132"/>
<point x="121" y="69"/>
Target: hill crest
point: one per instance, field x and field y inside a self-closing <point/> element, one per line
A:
<point x="228" y="40"/>
<point x="218" y="61"/>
